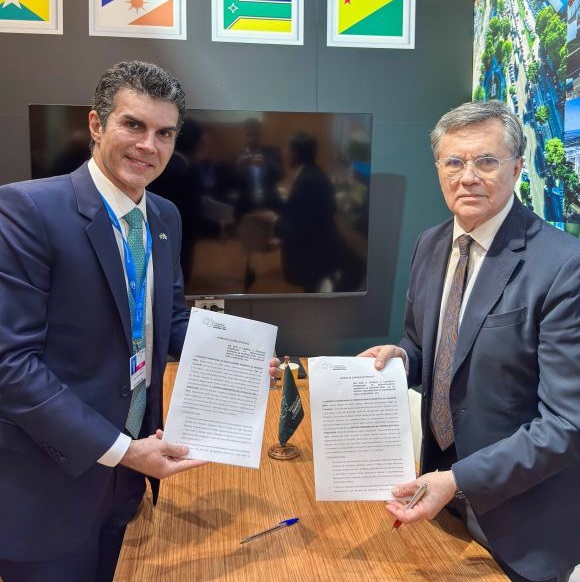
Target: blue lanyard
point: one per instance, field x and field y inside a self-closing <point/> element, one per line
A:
<point x="138" y="314"/>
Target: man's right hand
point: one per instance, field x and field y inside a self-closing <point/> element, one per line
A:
<point x="382" y="354"/>
<point x="157" y="458"/>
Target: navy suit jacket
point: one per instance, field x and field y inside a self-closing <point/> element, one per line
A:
<point x="515" y="390"/>
<point x="65" y="343"/>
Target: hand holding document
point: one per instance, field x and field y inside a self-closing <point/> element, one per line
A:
<point x="361" y="428"/>
<point x="218" y="405"/>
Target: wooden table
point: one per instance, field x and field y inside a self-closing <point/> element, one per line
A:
<point x="194" y="532"/>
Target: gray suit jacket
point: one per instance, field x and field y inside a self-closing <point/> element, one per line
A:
<point x="515" y="391"/>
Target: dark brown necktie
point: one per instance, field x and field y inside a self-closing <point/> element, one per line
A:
<point x="441" y="422"/>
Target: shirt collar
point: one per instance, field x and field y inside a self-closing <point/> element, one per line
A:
<point x="484" y="234"/>
<point x="119" y="202"/>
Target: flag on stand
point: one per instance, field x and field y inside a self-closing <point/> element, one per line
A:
<point x="291" y="411"/>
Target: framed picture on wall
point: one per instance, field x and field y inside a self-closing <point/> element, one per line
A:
<point x="138" y="18"/>
<point x="31" y="16"/>
<point x="258" y="21"/>
<point x="371" y="23"/>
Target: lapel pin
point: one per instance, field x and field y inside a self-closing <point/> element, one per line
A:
<point x="163" y="236"/>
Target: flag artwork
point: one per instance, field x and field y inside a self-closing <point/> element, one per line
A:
<point x="371" y="23"/>
<point x="138" y="18"/>
<point x="291" y="411"/>
<point x="258" y="21"/>
<point x="31" y="16"/>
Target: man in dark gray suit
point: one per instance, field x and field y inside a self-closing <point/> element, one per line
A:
<point x="492" y="330"/>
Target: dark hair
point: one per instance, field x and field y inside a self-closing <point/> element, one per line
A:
<point x="139" y="76"/>
<point x="477" y="112"/>
<point x="303" y="147"/>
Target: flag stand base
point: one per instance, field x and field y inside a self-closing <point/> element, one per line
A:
<point x="283" y="452"/>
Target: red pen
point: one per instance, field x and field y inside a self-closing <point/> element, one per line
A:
<point x="414" y="500"/>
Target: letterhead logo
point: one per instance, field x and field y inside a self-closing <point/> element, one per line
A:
<point x="212" y="324"/>
<point x="327" y="366"/>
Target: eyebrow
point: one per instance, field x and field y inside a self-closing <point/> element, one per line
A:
<point x="129" y="117"/>
<point x="484" y="155"/>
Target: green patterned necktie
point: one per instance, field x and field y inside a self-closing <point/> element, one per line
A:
<point x="440" y="417"/>
<point x="135" y="241"/>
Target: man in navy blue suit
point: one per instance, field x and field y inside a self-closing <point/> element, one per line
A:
<point x="80" y="305"/>
<point x="501" y="409"/>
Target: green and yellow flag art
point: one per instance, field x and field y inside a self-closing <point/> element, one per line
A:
<point x="371" y="17"/>
<point x="25" y="10"/>
<point x="261" y="16"/>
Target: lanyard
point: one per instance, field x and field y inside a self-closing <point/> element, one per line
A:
<point x="138" y="313"/>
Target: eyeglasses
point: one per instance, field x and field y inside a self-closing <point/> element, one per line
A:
<point x="484" y="167"/>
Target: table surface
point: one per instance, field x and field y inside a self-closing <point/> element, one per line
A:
<point x="194" y="532"/>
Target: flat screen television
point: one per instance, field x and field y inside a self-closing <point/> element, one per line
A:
<point x="272" y="203"/>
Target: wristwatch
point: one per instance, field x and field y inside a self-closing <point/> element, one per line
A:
<point x="458" y="494"/>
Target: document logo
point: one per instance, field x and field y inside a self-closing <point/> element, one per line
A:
<point x="209" y="322"/>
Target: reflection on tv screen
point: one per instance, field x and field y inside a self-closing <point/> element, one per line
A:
<point x="271" y="202"/>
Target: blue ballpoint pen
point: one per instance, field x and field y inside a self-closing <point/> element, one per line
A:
<point x="285" y="523"/>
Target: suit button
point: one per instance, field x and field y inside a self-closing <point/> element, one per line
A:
<point x="125" y="391"/>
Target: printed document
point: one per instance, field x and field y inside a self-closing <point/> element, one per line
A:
<point x="218" y="405"/>
<point x="361" y="428"/>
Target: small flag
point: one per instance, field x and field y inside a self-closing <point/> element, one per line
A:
<point x="291" y="411"/>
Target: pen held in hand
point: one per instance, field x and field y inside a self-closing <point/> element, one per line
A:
<point x="285" y="523"/>
<point x="421" y="490"/>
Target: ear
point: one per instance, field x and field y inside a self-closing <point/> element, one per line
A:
<point x="95" y="126"/>
<point x="519" y="164"/>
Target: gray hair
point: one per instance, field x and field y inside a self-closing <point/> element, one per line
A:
<point x="477" y="112"/>
<point x="146" y="78"/>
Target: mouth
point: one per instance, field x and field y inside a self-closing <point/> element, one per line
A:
<point x="470" y="196"/>
<point x="139" y="163"/>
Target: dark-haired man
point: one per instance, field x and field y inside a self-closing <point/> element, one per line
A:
<point x="92" y="303"/>
<point x="491" y="333"/>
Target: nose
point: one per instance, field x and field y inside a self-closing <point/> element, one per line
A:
<point x="469" y="174"/>
<point x="147" y="141"/>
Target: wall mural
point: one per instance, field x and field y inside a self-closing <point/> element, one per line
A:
<point x="526" y="53"/>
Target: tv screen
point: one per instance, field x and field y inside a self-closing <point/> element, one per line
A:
<point x="272" y="203"/>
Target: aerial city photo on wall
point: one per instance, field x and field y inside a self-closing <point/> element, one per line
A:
<point x="526" y="53"/>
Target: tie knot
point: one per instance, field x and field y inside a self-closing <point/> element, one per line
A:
<point x="134" y="218"/>
<point x="464" y="242"/>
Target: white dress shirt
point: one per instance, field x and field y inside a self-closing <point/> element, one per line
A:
<point x="482" y="237"/>
<point x="121" y="204"/>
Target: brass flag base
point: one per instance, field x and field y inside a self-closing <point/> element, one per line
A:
<point x="284" y="452"/>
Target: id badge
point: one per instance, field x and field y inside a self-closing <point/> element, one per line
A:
<point x="137" y="369"/>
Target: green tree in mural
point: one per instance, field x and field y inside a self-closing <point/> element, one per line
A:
<point x="552" y="32"/>
<point x="542" y="113"/>
<point x="533" y="72"/>
<point x="525" y="193"/>
<point x="554" y="152"/>
<point x="543" y="19"/>
<point x="479" y="94"/>
<point x="506" y="51"/>
<point x="563" y="69"/>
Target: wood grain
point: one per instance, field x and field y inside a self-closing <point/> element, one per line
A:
<point x="194" y="532"/>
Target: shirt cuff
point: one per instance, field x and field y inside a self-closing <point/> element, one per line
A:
<point x="405" y="358"/>
<point x="114" y="455"/>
